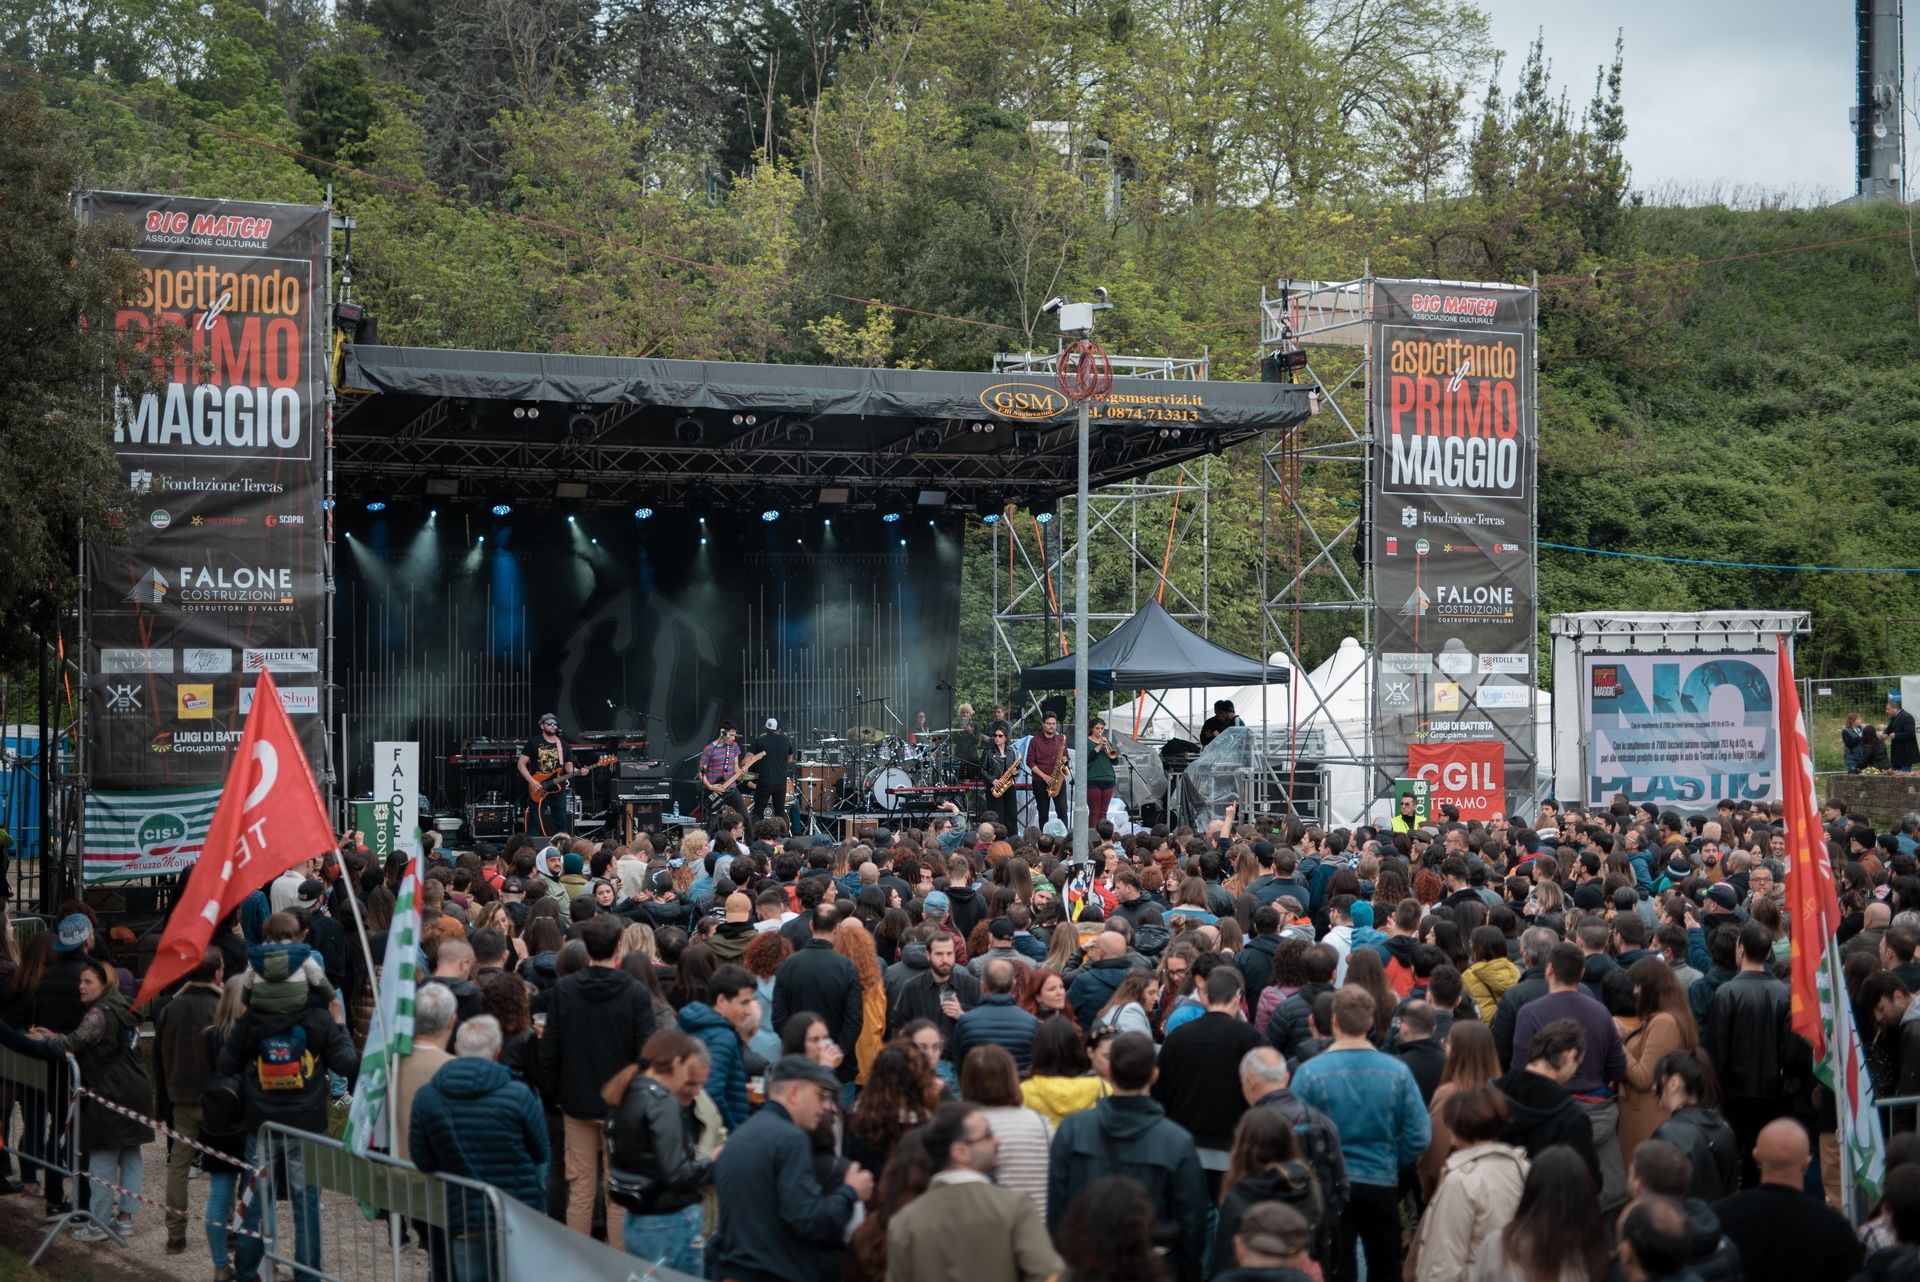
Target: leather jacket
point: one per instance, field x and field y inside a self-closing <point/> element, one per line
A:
<point x="1750" y="1038"/>
<point x="654" y="1169"/>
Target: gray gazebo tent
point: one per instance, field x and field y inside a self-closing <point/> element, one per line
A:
<point x="1153" y="651"/>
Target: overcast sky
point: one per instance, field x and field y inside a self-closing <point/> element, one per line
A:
<point x="1735" y="93"/>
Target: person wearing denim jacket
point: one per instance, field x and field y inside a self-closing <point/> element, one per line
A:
<point x="1374" y="1102"/>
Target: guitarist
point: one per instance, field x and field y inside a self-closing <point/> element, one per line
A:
<point x="545" y="753"/>
<point x="775" y="753"/>
<point x="1047" y="757"/>
<point x="720" y="770"/>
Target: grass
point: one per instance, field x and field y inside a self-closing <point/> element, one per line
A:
<point x="14" y="1269"/>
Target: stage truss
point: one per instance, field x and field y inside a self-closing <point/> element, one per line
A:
<point x="1033" y="559"/>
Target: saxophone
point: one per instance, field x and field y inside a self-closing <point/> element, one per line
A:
<point x="1005" y="781"/>
<point x="1060" y="777"/>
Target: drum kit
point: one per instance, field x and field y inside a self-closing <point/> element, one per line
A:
<point x="867" y="766"/>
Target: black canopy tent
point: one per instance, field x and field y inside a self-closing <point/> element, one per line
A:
<point x="421" y="423"/>
<point x="1153" y="651"/>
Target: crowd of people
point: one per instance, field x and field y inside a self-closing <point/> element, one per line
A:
<point x="1545" y="1050"/>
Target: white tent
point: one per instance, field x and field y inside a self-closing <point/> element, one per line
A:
<point x="1332" y="723"/>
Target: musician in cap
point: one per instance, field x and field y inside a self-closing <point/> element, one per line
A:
<point x="544" y="758"/>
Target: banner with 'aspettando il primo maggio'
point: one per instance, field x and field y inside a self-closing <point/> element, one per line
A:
<point x="220" y="574"/>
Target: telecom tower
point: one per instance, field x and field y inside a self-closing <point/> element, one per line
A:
<point x="1878" y="113"/>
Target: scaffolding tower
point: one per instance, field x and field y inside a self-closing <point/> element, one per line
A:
<point x="1034" y="550"/>
<point x="1316" y="583"/>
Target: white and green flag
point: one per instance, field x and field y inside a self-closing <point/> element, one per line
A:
<point x="390" y="1035"/>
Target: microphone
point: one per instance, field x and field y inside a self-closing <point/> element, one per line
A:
<point x="609" y="703"/>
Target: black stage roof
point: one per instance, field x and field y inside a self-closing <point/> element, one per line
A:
<point x="420" y="423"/>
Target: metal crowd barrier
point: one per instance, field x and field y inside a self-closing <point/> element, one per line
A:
<point x="387" y="1220"/>
<point x="49" y="1102"/>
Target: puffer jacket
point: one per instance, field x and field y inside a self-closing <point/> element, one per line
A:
<point x="1058" y="1098"/>
<point x="1475" y="1200"/>
<point x="727" y="1077"/>
<point x="1487" y="982"/>
<point x="306" y="1108"/>
<point x="476" y="1119"/>
<point x="996" y="1021"/>
<point x="654" y="1169"/>
<point x="1292" y="1021"/>
<point x="1710" y="1143"/>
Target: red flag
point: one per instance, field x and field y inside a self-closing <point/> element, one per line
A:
<point x="269" y="819"/>
<point x="1812" y="905"/>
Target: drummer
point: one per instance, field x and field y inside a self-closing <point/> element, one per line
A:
<point x="920" y="735"/>
<point x="964" y="742"/>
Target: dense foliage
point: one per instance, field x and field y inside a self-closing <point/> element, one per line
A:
<point x="759" y="179"/>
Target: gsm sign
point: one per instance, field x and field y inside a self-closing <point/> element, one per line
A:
<point x="1023" y="400"/>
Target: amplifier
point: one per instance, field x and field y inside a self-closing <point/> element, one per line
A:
<point x="491" y="820"/>
<point x="633" y="770"/>
<point x="641" y="792"/>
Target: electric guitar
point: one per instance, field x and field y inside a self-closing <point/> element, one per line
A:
<point x="548" y="782"/>
<point x="746" y="764"/>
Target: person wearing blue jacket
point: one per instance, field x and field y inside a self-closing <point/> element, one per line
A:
<point x="1374" y="1102"/>
<point x="996" y="1021"/>
<point x="732" y="1002"/>
<point x="476" y="1119"/>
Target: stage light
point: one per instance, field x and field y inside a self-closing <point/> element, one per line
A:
<point x="501" y="509"/>
<point x="1045" y="518"/>
<point x="570" y="489"/>
<point x="800" y="433"/>
<point x="376" y="506"/>
<point x="442" y="487"/>
<point x="930" y="498"/>
<point x="703" y="542"/>
<point x="834" y="494"/>
<point x="688" y="431"/>
<point x="890" y="517"/>
<point x="798" y="541"/>
<point x="826" y="520"/>
<point x="926" y="438"/>
<point x="903" y="543"/>
<point x="481" y="539"/>
<point x="1027" y="440"/>
<point x="432" y="512"/>
<point x="569" y="520"/>
<point x="771" y="514"/>
<point x="349" y="533"/>
<point x="991" y="518"/>
<point x="326" y="504"/>
<point x="595" y="542"/>
<point x="581" y="424"/>
<point x="929" y="525"/>
<point x="703" y="520"/>
<point x="642" y="513"/>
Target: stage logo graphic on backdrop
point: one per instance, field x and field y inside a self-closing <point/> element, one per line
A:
<point x="1452" y="493"/>
<point x="221" y="575"/>
<point x="1681" y="728"/>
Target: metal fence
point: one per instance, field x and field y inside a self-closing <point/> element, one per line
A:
<point x="46" y="1091"/>
<point x="1830" y="702"/>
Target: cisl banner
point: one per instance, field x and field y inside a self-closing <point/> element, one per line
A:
<point x="1467" y="775"/>
<point x="220" y="574"/>
<point x="1451" y="494"/>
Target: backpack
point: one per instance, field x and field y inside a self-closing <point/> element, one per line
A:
<point x="284" y="1062"/>
<point x="1320" y="1149"/>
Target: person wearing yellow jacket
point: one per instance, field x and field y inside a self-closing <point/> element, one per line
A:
<point x="1491" y="974"/>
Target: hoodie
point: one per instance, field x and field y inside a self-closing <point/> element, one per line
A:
<point x="1399" y="951"/>
<point x="285" y="977"/>
<point x="1712" y="1255"/>
<point x="729" y="943"/>
<point x="1056" y="1098"/>
<point x="1131" y="1135"/>
<point x="598" y="1019"/>
<point x="1541" y="1114"/>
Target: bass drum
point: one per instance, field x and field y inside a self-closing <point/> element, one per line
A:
<point x="881" y="784"/>
<point x="819" y="785"/>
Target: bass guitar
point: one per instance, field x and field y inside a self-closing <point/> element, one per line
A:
<point x="548" y="782"/>
<point x="733" y="781"/>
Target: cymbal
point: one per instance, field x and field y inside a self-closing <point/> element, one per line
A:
<point x="811" y="765"/>
<point x="948" y="730"/>
<point x="865" y="734"/>
<point x="830" y="739"/>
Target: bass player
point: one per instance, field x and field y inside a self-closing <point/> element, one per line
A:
<point x="546" y="754"/>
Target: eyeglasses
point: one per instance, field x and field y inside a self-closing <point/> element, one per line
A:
<point x="985" y="1137"/>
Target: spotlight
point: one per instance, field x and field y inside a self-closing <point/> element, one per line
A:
<point x="991" y="518"/>
<point x="926" y="438"/>
<point x="891" y="517"/>
<point x="770" y="515"/>
<point x="581" y="424"/>
<point x="703" y="542"/>
<point x="481" y="539"/>
<point x="569" y="520"/>
<point x="595" y="542"/>
<point x="642" y="513"/>
<point x="834" y="494"/>
<point x="800" y="433"/>
<point x="1026" y="439"/>
<point x="745" y="420"/>
<point x="903" y="543"/>
<point x="826" y="520"/>
<point x="501" y="509"/>
<point x="929" y="525"/>
<point x="327" y="504"/>
<point x="688" y="431"/>
<point x="570" y="489"/>
<point x="1045" y="518"/>
<point x="703" y="520"/>
<point x="349" y="533"/>
<point x="376" y="506"/>
<point x="519" y="411"/>
<point x="930" y="498"/>
<point x="432" y="512"/>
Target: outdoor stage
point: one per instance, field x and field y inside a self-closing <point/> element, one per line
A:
<point x="648" y="546"/>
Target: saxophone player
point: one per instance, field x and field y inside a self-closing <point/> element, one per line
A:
<point x="1046" y="759"/>
<point x="997" y="761"/>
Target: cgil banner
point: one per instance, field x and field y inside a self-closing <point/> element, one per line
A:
<point x="1451" y="407"/>
<point x="1681" y="728"/>
<point x="220" y="574"/>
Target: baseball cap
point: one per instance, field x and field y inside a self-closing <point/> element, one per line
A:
<point x="936" y="904"/>
<point x="513" y="886"/>
<point x="773" y="723"/>
<point x="1723" y="895"/>
<point x="1000" y="928"/>
<point x="661" y="882"/>
<point x="311" y="890"/>
<point x="798" y="1068"/>
<point x="74" y="931"/>
<point x="1274" y="1228"/>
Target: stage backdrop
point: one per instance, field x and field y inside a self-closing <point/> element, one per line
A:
<point x="1681" y="729"/>
<point x="1451" y="499"/>
<point x="666" y="624"/>
<point x="220" y="576"/>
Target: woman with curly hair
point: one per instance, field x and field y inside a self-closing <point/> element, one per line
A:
<point x="901" y="1092"/>
<point x="763" y="955"/>
<point x="851" y="941"/>
<point x="1429" y="887"/>
<point x="1106" y="1233"/>
<point x="907" y="1175"/>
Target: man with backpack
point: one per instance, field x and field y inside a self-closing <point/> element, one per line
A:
<point x="1266" y="1083"/>
<point x="282" y="1059"/>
